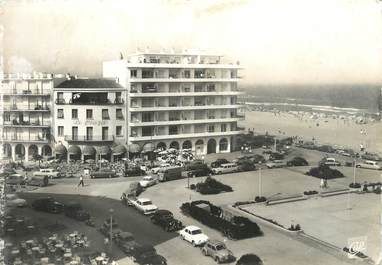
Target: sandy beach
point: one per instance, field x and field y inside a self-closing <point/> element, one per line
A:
<point x="329" y="131"/>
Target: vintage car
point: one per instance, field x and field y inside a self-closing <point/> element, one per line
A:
<point x="12" y="200"/>
<point x="103" y="173"/>
<point x="218" y="251"/>
<point x="144" y="206"/>
<point x="194" y="235"/>
<point x="166" y="220"/>
<point x="148" y="181"/>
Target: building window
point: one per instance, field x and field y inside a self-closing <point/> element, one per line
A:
<point x="60" y="97"/>
<point x="105" y="114"/>
<point x="118" y="98"/>
<point x="147" y="131"/>
<point x="7" y="117"/>
<point x="223" y="144"/>
<point x="74" y="114"/>
<point x="74" y="133"/>
<point x="60" y="113"/>
<point x="133" y="73"/>
<point x="89" y="133"/>
<point x="89" y="114"/>
<point x="118" y="130"/>
<point x="173" y="130"/>
<point x="224" y="127"/>
<point x="60" y="131"/>
<point x="105" y="133"/>
<point x="119" y="114"/>
<point x="211" y="128"/>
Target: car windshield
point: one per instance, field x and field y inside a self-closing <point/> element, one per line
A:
<point x="196" y="232"/>
<point x="220" y="247"/>
<point x="146" y="203"/>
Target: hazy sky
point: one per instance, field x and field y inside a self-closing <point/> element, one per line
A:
<point x="277" y="41"/>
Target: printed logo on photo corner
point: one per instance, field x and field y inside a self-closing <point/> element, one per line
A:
<point x="356" y="245"/>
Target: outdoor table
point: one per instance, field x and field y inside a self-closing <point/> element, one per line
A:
<point x="67" y="255"/>
<point x="60" y="245"/>
<point x="44" y="260"/>
<point x="17" y="262"/>
<point x="52" y="238"/>
<point x="20" y="221"/>
<point x="36" y="249"/>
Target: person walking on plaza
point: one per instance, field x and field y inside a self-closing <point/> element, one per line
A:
<point x="81" y="181"/>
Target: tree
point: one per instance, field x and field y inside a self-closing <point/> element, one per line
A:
<point x="38" y="158"/>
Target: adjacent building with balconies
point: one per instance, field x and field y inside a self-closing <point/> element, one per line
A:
<point x="182" y="101"/>
<point x="89" y="119"/>
<point x="26" y="115"/>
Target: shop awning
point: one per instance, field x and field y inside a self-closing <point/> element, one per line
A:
<point x="149" y="147"/>
<point x="89" y="150"/>
<point x="60" y="149"/>
<point x="105" y="150"/>
<point x="134" y="148"/>
<point x="74" y="150"/>
<point x="119" y="150"/>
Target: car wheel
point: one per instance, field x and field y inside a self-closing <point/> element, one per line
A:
<point x="182" y="237"/>
<point x="217" y="259"/>
<point x="205" y="252"/>
<point x="193" y="243"/>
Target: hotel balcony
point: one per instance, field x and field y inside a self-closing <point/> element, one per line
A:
<point x="26" y="124"/>
<point x="24" y="108"/>
<point x="138" y="123"/>
<point x="180" y="107"/>
<point x="108" y="102"/>
<point x="25" y="93"/>
<point x="88" y="138"/>
<point x="182" y="80"/>
<point x="30" y="139"/>
<point x="150" y="94"/>
<point x="183" y="135"/>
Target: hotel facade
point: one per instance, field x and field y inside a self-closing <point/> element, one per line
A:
<point x="145" y="102"/>
<point x="181" y="101"/>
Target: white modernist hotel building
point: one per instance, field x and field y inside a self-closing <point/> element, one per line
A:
<point x="179" y="100"/>
<point x="144" y="102"/>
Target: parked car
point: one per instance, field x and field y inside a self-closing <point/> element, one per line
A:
<point x="126" y="242"/>
<point x="199" y="170"/>
<point x="75" y="211"/>
<point x="48" y="204"/>
<point x="146" y="254"/>
<point x="15" y="179"/>
<point x="218" y="251"/>
<point x="103" y="173"/>
<point x="166" y="220"/>
<point x="225" y="168"/>
<point x="38" y="180"/>
<point x="369" y="165"/>
<point x="276" y="164"/>
<point x="134" y="171"/>
<point x="194" y="235"/>
<point x="145" y="206"/>
<point x="245" y="165"/>
<point x="329" y="161"/>
<point x="219" y="162"/>
<point x="276" y="156"/>
<point x="12" y="200"/>
<point x="49" y="172"/>
<point x="170" y="173"/>
<point x="156" y="170"/>
<point x="148" y="181"/>
<point x="371" y="156"/>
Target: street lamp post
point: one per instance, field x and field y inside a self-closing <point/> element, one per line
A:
<point x="354" y="169"/>
<point x="260" y="179"/>
<point x="111" y="211"/>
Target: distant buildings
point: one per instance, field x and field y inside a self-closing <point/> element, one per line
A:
<point x="149" y="101"/>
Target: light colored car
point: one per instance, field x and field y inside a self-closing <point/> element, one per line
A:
<point x="49" y="172"/>
<point x="12" y="200"/>
<point x="145" y="206"/>
<point x="156" y="170"/>
<point x="218" y="251"/>
<point x="148" y="181"/>
<point x="276" y="164"/>
<point x="331" y="162"/>
<point x="225" y="168"/>
<point x="369" y="165"/>
<point x="194" y="235"/>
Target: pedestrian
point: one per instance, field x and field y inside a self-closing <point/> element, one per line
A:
<point x="81" y="181"/>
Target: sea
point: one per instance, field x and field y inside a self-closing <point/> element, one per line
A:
<point x="351" y="99"/>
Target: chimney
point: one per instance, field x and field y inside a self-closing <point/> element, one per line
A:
<point x="67" y="76"/>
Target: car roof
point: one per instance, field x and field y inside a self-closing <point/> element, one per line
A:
<point x="215" y="242"/>
<point x="144" y="199"/>
<point x="163" y="212"/>
<point x="192" y="228"/>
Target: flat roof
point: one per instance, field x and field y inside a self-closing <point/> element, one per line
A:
<point x="174" y="54"/>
